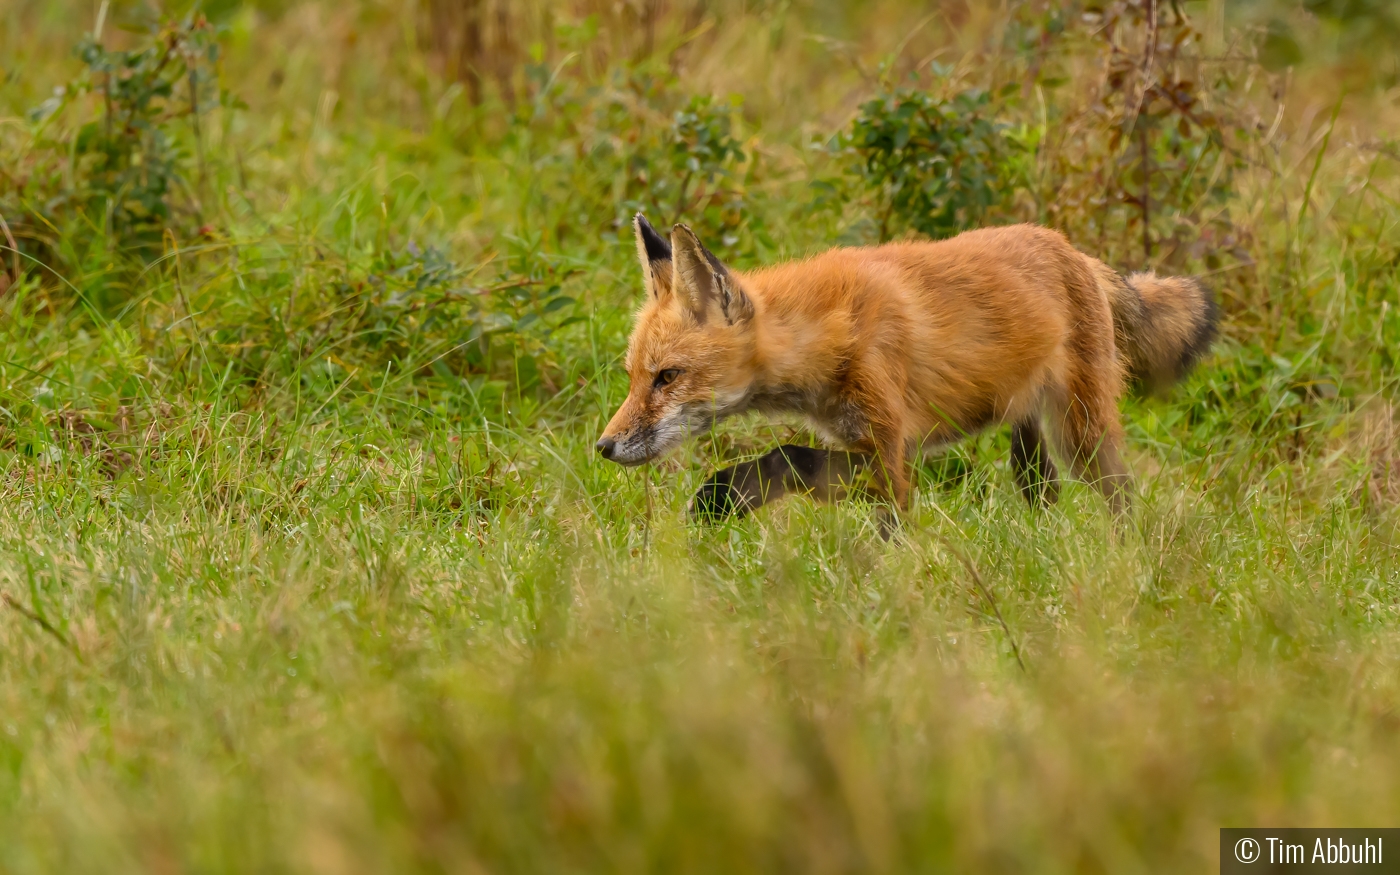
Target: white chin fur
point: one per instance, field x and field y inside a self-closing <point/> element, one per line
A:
<point x="665" y="436"/>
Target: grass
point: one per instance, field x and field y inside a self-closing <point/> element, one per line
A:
<point x="302" y="576"/>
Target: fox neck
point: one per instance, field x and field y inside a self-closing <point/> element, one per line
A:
<point x="795" y="358"/>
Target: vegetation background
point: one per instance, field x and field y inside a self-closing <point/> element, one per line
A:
<point x="311" y="311"/>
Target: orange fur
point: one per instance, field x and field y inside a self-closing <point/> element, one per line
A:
<point x="886" y="349"/>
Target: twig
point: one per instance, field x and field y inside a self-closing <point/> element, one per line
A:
<point x="449" y="296"/>
<point x="996" y="611"/>
<point x="986" y="593"/>
<point x="1149" y="59"/>
<point x="1312" y="177"/>
<point x="646" y="485"/>
<point x="198" y="138"/>
<point x="680" y="196"/>
<point x="43" y="624"/>
<point x="1145" y="159"/>
<point x="14" y="248"/>
<point x="885" y="221"/>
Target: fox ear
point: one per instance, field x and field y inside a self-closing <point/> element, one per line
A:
<point x="704" y="285"/>
<point x="654" y="252"/>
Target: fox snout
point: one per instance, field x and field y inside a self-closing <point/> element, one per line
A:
<point x="645" y="428"/>
<point x="629" y="450"/>
<point x="635" y="440"/>
<point x="623" y="453"/>
<point x="605" y="447"/>
<point x="627" y="438"/>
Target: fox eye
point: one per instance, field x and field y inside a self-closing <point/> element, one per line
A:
<point x="666" y="377"/>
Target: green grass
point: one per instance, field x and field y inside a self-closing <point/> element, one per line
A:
<point x="301" y="576"/>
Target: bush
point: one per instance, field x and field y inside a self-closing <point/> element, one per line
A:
<point x="936" y="165"/>
<point x="1145" y="136"/>
<point x="122" y="168"/>
<point x="678" y="160"/>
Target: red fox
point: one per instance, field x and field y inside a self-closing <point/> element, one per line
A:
<point x="890" y="350"/>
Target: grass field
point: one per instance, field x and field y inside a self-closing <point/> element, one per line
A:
<point x="308" y="565"/>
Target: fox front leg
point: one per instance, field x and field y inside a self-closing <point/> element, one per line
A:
<point x="826" y="475"/>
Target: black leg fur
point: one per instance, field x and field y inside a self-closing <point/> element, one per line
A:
<point x="1030" y="459"/>
<point x="788" y="469"/>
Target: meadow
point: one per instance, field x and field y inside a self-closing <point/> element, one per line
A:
<point x="312" y="312"/>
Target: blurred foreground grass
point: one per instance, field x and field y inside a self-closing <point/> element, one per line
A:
<point x="308" y="565"/>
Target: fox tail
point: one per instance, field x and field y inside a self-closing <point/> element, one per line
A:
<point x="1162" y="326"/>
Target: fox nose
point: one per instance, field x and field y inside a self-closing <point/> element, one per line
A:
<point x="606" y="446"/>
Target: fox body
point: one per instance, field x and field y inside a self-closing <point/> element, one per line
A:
<point x="891" y="349"/>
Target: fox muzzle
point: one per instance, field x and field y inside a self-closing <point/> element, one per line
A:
<point x="605" y="447"/>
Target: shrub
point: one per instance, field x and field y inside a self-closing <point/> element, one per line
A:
<point x="699" y="154"/>
<point x="1144" y="137"/>
<point x="122" y="166"/>
<point x="936" y="165"/>
<point x="639" y="141"/>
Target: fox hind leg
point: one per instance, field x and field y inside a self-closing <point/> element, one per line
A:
<point x="1090" y="436"/>
<point x="1030" y="460"/>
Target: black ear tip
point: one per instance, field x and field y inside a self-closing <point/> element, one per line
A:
<point x="658" y="248"/>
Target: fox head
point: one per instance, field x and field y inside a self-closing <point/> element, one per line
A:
<point x="689" y="361"/>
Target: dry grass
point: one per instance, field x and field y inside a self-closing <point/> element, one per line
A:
<point x="293" y="583"/>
